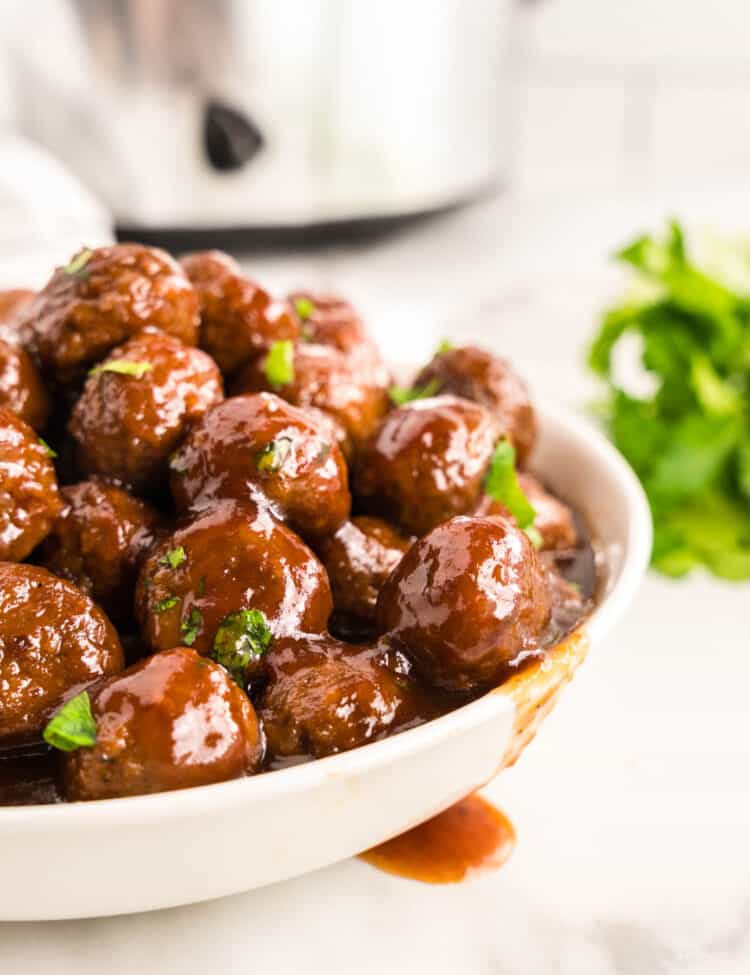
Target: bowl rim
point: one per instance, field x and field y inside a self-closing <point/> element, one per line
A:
<point x="198" y="800"/>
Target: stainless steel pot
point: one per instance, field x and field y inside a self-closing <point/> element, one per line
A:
<point x="222" y="114"/>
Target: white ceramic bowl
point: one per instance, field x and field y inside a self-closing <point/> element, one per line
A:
<point x="121" y="855"/>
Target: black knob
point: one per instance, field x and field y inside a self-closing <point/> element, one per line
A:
<point x="230" y="137"/>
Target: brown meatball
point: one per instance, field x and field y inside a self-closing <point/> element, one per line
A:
<point x="358" y="559"/>
<point x="328" y="319"/>
<point x="12" y="303"/>
<point x="172" y="721"/>
<point x="427" y="462"/>
<point x="98" y="543"/>
<point x="21" y="386"/>
<point x="126" y="426"/>
<point x="491" y="381"/>
<point x="29" y="498"/>
<point x="238" y="318"/>
<point x="466" y="602"/>
<point x="53" y="639"/>
<point x="330" y="381"/>
<point x="102" y="298"/>
<point x="324" y="696"/>
<point x="235" y="556"/>
<point x="251" y="446"/>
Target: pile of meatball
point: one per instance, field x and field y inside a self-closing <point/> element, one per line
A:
<point x="243" y="566"/>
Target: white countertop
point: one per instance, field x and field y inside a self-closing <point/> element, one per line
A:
<point x="632" y="807"/>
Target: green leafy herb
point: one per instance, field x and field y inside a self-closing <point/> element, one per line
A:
<point x="407" y="394"/>
<point x="280" y="363"/>
<point x="50" y="452"/>
<point x="304" y="308"/>
<point x="445" y="346"/>
<point x="684" y="421"/>
<point x="271" y="458"/>
<point x="241" y="639"/>
<point x="501" y="483"/>
<point x="77" y="267"/>
<point x="191" y="627"/>
<point x="164" y="604"/>
<point x="535" y="536"/>
<point x="73" y="726"/>
<point x="174" y="558"/>
<point x="124" y="367"/>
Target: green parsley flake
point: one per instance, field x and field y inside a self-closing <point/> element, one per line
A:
<point x="445" y="346"/>
<point x="271" y="458"/>
<point x="304" y="308"/>
<point x="77" y="266"/>
<point x="164" y="604"/>
<point x="123" y="367"/>
<point x="501" y="483"/>
<point x="191" y="626"/>
<point x="280" y="363"/>
<point x="50" y="452"/>
<point x="401" y="395"/>
<point x="174" y="558"/>
<point x="242" y="638"/>
<point x="534" y="535"/>
<point x="73" y="726"/>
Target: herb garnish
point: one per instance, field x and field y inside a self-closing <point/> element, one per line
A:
<point x="273" y="455"/>
<point x="77" y="266"/>
<point x="241" y="639"/>
<point x="407" y="394"/>
<point x="164" y="604"/>
<point x="501" y="483"/>
<point x="174" y="558"/>
<point x="684" y="423"/>
<point x="445" y="346"/>
<point x="190" y="627"/>
<point x="50" y="452"/>
<point x="304" y="308"/>
<point x="280" y="363"/>
<point x="124" y="367"/>
<point x="73" y="726"/>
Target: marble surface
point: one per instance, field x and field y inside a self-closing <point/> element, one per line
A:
<point x="632" y="807"/>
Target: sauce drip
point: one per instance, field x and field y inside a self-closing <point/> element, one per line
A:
<point x="469" y="836"/>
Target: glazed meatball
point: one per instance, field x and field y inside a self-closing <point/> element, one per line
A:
<point x="239" y="319"/>
<point x="52" y="639"/>
<point x="21" y="386"/>
<point x="358" y="559"/>
<point x="29" y="497"/>
<point x="102" y="298"/>
<point x="491" y="381"/>
<point x="12" y="303"/>
<point x="99" y="541"/>
<point x="427" y="462"/>
<point x="260" y="446"/>
<point x="172" y="721"/>
<point x="466" y="602"/>
<point x="137" y="406"/>
<point x="330" y="381"/>
<point x="233" y="557"/>
<point x="324" y="696"/>
<point x="327" y="319"/>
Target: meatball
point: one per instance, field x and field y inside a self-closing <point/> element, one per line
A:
<point x="172" y="721"/>
<point x="137" y="405"/>
<point x="553" y="518"/>
<point x="21" y="386"/>
<point x="324" y="696"/>
<point x="98" y="543"/>
<point x="328" y="380"/>
<point x="233" y="557"/>
<point x="52" y="639"/>
<point x="426" y="462"/>
<point x="102" y="298"/>
<point x="491" y="381"/>
<point x="467" y="602"/>
<point x="260" y="446"/>
<point x="358" y="559"/>
<point x="327" y="319"/>
<point x="12" y="303"/>
<point x="29" y="497"/>
<point x="239" y="319"/>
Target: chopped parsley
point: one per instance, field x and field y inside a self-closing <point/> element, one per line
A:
<point x="501" y="484"/>
<point x="241" y="639"/>
<point x="191" y="627"/>
<point x="273" y="455"/>
<point x="174" y="558"/>
<point x="164" y="604"/>
<point x="445" y="346"/>
<point x="73" y="726"/>
<point x="280" y="363"/>
<point x="124" y="367"/>
<point x="304" y="308"/>
<point x="407" y="394"/>
<point x="77" y="266"/>
<point x="50" y="452"/>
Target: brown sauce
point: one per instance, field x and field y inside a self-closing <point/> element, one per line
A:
<point x="470" y="836"/>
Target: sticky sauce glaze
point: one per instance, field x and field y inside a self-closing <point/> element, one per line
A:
<point x="473" y="835"/>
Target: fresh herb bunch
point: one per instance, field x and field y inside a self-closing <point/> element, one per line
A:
<point x="687" y="435"/>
